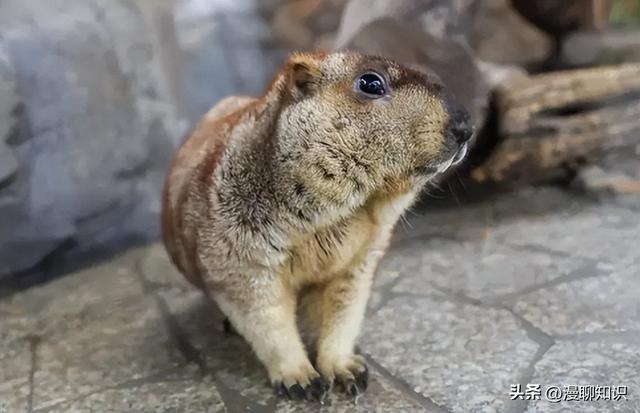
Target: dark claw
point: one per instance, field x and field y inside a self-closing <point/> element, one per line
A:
<point x="280" y="390"/>
<point x="362" y="379"/>
<point x="296" y="392"/>
<point x="317" y="389"/>
<point x="227" y="327"/>
<point x="357" y="385"/>
<point x="352" y="388"/>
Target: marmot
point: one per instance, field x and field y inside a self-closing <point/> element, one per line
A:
<point x="281" y="206"/>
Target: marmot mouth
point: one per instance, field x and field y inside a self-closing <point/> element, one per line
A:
<point x="455" y="159"/>
<point x="460" y="154"/>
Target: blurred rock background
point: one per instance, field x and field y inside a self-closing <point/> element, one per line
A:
<point x="95" y="95"/>
<point x="90" y="111"/>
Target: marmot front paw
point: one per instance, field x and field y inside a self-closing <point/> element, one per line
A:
<point x="302" y="387"/>
<point x="351" y="374"/>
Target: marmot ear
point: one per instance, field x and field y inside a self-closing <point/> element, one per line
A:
<point x="305" y="73"/>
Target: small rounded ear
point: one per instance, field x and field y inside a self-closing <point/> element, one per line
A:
<point x="305" y="74"/>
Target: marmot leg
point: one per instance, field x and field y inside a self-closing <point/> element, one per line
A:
<point x="336" y="312"/>
<point x="265" y="317"/>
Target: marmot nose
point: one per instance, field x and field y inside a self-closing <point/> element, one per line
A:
<point x="459" y="127"/>
<point x="461" y="131"/>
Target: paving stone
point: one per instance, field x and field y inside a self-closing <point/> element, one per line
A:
<point x="159" y="273"/>
<point x="603" y="233"/>
<point x="601" y="291"/>
<point x="184" y="396"/>
<point x="132" y="335"/>
<point x="91" y="330"/>
<point x="129" y="346"/>
<point x="485" y="250"/>
<point x="561" y="279"/>
<point x="15" y="358"/>
<point x="483" y="269"/>
<point x="589" y="364"/>
<point x="459" y="355"/>
<point x="472" y="219"/>
<point x="606" y="303"/>
<point x="28" y="317"/>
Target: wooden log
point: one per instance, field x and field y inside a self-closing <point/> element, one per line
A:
<point x="550" y="123"/>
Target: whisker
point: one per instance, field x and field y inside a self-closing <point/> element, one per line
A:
<point x="464" y="187"/>
<point x="454" y="194"/>
<point x="406" y="221"/>
<point x="435" y="185"/>
<point x="425" y="191"/>
<point x="411" y="211"/>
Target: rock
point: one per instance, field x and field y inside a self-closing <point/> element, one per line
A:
<point x="500" y="35"/>
<point x="92" y="123"/>
<point x="454" y="354"/>
<point x="307" y="24"/>
<point x="8" y="104"/>
<point x="228" y="49"/>
<point x="427" y="33"/>
<point x="561" y="18"/>
<point x="590" y="48"/>
<point x="496" y="74"/>
<point x="594" y="178"/>
<point x="597" y="362"/>
<point x="289" y="23"/>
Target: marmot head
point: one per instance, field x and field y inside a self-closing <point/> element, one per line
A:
<point x="351" y="122"/>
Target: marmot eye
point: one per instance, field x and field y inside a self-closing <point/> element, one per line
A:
<point x="371" y="84"/>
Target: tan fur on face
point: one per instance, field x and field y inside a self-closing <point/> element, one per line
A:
<point x="343" y="146"/>
<point x="287" y="202"/>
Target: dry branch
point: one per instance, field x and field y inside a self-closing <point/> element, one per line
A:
<point x="552" y="121"/>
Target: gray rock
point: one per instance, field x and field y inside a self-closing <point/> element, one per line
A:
<point x="108" y="336"/>
<point x="499" y="34"/>
<point x="92" y="125"/>
<point x="483" y="270"/>
<point x="597" y="48"/>
<point x="487" y="253"/>
<point x="15" y="359"/>
<point x="589" y="364"/>
<point x="427" y="33"/>
<point x="538" y="261"/>
<point x="228" y="49"/>
<point x="608" y="302"/>
<point x="155" y="394"/>
<point x="8" y="104"/>
<point x="452" y="353"/>
<point x="471" y="45"/>
<point x="560" y="265"/>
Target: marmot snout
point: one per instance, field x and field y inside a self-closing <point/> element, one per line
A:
<point x="281" y="206"/>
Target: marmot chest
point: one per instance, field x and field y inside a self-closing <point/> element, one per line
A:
<point x="331" y="251"/>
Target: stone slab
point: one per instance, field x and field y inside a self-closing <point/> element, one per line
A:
<point x="465" y="304"/>
<point x="602" y="363"/>
<point x="456" y="354"/>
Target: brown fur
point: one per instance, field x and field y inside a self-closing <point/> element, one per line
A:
<point x="286" y="203"/>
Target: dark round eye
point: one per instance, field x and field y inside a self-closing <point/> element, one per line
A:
<point x="371" y="84"/>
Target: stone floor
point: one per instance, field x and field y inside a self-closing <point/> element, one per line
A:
<point x="540" y="287"/>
